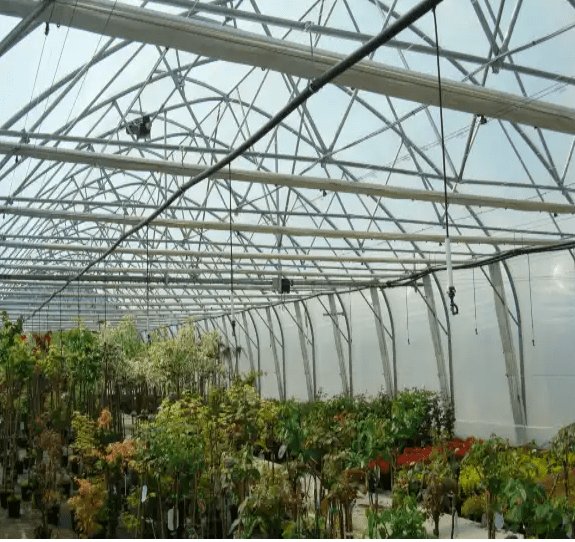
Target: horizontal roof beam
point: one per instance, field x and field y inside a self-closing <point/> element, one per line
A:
<point x="120" y="20"/>
<point x="198" y="225"/>
<point x="238" y="256"/>
<point x="129" y="163"/>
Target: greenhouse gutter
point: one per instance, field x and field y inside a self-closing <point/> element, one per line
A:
<point x="129" y="163"/>
<point x="214" y="41"/>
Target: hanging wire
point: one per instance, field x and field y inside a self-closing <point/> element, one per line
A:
<point x="233" y="318"/>
<point x="61" y="330"/>
<point x="105" y="301"/>
<point x="450" y="287"/>
<point x="475" y="302"/>
<point x="407" y="316"/>
<point x="531" y="302"/>
<point x="148" y="337"/>
<point x="78" y="302"/>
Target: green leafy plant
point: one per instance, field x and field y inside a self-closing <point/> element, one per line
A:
<point x="405" y="521"/>
<point x="527" y="509"/>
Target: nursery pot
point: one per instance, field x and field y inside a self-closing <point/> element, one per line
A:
<point x="26" y="493"/>
<point x="66" y="488"/>
<point x="14" y="508"/>
<point x="64" y="461"/>
<point x="20" y="467"/>
<point x="75" y="467"/>
<point x="4" y="494"/>
<point x="53" y="515"/>
<point x="43" y="532"/>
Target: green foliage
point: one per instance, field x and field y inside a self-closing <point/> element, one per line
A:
<point x="179" y="363"/>
<point x="526" y="506"/>
<point x="265" y="506"/>
<point x="473" y="507"/>
<point x="173" y="440"/>
<point x="405" y="521"/>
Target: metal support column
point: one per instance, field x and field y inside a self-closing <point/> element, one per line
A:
<point x="379" y="327"/>
<point x="436" y="336"/>
<point x="248" y="341"/>
<point x="338" y="344"/>
<point x="273" y="344"/>
<point x="303" y="340"/>
<point x="513" y="379"/>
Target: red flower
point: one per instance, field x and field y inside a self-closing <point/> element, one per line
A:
<point x="48" y="338"/>
<point x="23" y="337"/>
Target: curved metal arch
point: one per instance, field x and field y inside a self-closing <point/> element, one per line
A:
<point x="519" y="338"/>
<point x="393" y="341"/>
<point x="449" y="342"/>
<point x="274" y="310"/>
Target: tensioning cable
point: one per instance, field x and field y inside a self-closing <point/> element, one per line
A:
<point x="450" y="286"/>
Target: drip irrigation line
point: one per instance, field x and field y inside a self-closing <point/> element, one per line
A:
<point x="313" y="87"/>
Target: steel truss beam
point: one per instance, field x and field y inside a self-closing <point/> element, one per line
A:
<point x="193" y="225"/>
<point x="129" y="163"/>
<point x="230" y="44"/>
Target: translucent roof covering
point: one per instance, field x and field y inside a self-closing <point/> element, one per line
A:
<point x="108" y="108"/>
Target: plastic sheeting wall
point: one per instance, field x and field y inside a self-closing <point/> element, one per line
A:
<point x="481" y="393"/>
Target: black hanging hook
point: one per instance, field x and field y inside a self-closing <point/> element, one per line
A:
<point x="454" y="307"/>
<point x="47" y="29"/>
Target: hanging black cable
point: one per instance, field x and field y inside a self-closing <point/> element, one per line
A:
<point x="531" y="302"/>
<point x="233" y="317"/>
<point x="450" y="287"/>
<point x="313" y="87"/>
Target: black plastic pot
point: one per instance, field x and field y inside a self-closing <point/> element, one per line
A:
<point x="14" y="508"/>
<point x="19" y="467"/>
<point x="42" y="532"/>
<point x="4" y="494"/>
<point x="53" y="515"/>
<point x="26" y="493"/>
<point x="64" y="461"/>
<point x="66" y="488"/>
<point x="75" y="467"/>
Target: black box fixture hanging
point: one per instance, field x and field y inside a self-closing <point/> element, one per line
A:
<point x="282" y="285"/>
<point x="141" y="128"/>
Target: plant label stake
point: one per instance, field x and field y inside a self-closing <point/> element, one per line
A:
<point x="144" y="493"/>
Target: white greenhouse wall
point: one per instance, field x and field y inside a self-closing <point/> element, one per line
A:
<point x="481" y="389"/>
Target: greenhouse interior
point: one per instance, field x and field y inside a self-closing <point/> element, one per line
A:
<point x="287" y="269"/>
